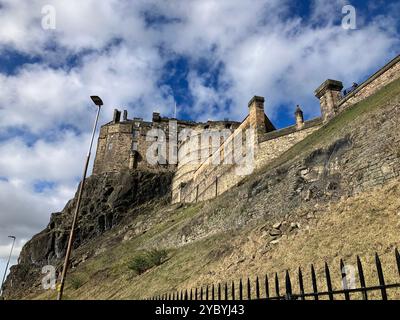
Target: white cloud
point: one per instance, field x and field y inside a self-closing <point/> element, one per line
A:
<point x="24" y="212"/>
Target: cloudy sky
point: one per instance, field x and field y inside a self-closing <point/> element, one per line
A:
<point x="208" y="56"/>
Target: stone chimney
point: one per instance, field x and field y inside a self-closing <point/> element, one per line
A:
<point x="256" y="114"/>
<point x="329" y="94"/>
<point x="299" y="117"/>
<point x="156" y="117"/>
<point x="125" y="115"/>
<point x="117" y="116"/>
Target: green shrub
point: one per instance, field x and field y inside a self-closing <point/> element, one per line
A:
<point x="157" y="257"/>
<point x="146" y="260"/>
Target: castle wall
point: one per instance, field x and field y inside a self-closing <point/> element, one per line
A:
<point x="384" y="76"/>
<point x="211" y="180"/>
<point x="124" y="145"/>
<point x="276" y="143"/>
<point x="191" y="156"/>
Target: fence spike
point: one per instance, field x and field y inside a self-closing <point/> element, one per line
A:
<point x="191" y="294"/>
<point x="233" y="290"/>
<point x="288" y="285"/>
<point x="278" y="295"/>
<point x="201" y="293"/>
<point x="257" y="288"/>
<point x="240" y="290"/>
<point x="380" y="277"/>
<point x="207" y="292"/>
<point x="314" y="282"/>
<point x="328" y="282"/>
<point x="301" y="284"/>
<point x="362" y="279"/>
<point x="248" y="289"/>
<point x="195" y="294"/>
<point x="397" y="259"/>
<point x="186" y="295"/>
<point x="219" y="291"/>
<point x="266" y="287"/>
<point x="226" y="291"/>
<point x="213" y="292"/>
<point x="344" y="280"/>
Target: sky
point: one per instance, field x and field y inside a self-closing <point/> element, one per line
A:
<point x="207" y="56"/>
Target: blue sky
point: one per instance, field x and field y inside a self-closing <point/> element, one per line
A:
<point x="209" y="56"/>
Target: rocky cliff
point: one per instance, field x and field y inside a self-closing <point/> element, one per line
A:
<point x="108" y="200"/>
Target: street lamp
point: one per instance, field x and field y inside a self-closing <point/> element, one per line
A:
<point x="8" y="262"/>
<point x="98" y="102"/>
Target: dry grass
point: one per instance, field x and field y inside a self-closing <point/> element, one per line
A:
<point x="363" y="225"/>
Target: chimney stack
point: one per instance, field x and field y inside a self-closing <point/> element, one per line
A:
<point x="125" y="115"/>
<point x="156" y="117"/>
<point x="117" y="116"/>
<point x="299" y="117"/>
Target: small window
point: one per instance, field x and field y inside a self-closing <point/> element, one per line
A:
<point x="110" y="145"/>
<point x="135" y="146"/>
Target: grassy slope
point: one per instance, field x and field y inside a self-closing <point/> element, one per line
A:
<point x="360" y="225"/>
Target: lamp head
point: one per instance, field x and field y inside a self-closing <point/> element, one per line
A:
<point x="97" y="101"/>
<point x="12" y="237"/>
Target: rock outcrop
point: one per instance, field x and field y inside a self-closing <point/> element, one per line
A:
<point x="107" y="200"/>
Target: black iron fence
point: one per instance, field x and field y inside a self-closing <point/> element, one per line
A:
<point x="271" y="288"/>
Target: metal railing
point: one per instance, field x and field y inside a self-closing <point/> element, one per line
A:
<point x="251" y="290"/>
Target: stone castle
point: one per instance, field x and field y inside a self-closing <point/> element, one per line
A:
<point x="123" y="143"/>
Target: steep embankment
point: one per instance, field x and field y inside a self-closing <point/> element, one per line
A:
<point x="331" y="196"/>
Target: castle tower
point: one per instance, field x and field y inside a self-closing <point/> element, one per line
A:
<point x="329" y="94"/>
<point x="299" y="117"/>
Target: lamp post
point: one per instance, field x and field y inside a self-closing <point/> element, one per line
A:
<point x="98" y="102"/>
<point x="8" y="262"/>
